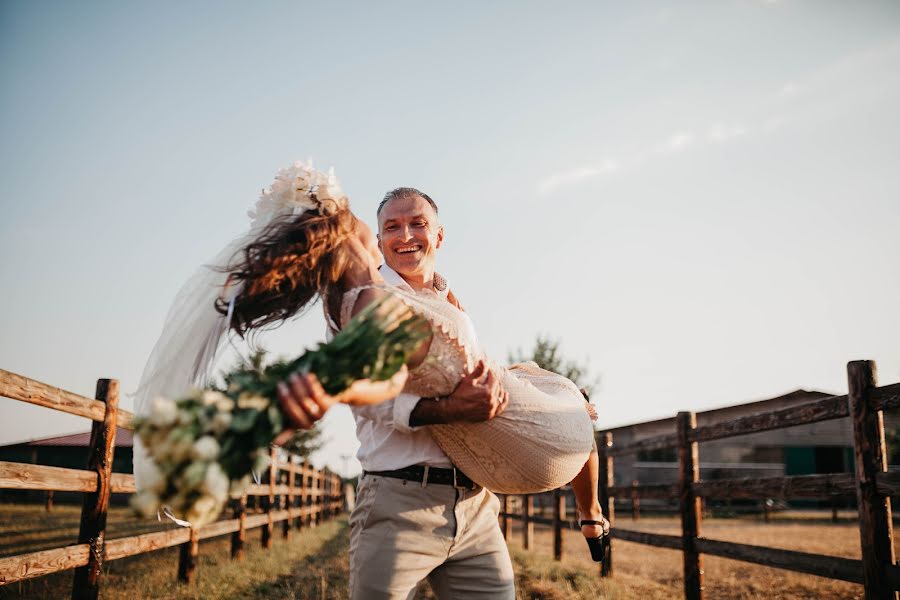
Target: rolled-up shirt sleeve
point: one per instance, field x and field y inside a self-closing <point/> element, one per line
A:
<point x="403" y="407"/>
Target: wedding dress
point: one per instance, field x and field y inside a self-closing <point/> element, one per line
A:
<point x="540" y="442"/>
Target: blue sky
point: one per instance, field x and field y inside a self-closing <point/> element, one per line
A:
<point x="698" y="198"/>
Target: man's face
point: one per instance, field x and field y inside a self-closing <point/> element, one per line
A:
<point x="409" y="235"/>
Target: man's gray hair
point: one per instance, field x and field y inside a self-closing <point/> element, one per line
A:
<point x="405" y="192"/>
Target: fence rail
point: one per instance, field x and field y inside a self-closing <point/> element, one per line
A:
<point x="307" y="497"/>
<point x="870" y="483"/>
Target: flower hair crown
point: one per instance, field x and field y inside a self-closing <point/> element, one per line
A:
<point x="297" y="189"/>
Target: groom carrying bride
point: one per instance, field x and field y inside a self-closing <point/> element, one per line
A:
<point x="417" y="516"/>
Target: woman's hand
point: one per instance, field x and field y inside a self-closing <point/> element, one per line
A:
<point x="366" y="391"/>
<point x="303" y="402"/>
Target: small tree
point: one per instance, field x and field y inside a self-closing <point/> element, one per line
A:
<point x="546" y="353"/>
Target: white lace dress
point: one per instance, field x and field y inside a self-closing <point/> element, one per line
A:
<point x="542" y="439"/>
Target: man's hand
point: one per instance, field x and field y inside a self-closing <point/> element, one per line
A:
<point x="478" y="397"/>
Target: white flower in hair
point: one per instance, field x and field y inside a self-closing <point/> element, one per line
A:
<point x="296" y="189"/>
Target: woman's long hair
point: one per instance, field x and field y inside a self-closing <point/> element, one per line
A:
<point x="294" y="260"/>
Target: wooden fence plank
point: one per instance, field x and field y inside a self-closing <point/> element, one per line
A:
<point x="662" y="491"/>
<point x="25" y="476"/>
<point x="833" y="567"/>
<point x="505" y="521"/>
<point x="659" y="442"/>
<point x="833" y="407"/>
<point x="643" y="537"/>
<point x="24" y="389"/>
<point x="148" y="542"/>
<point x="122" y="483"/>
<point x="885" y="397"/>
<point x="36" y="564"/>
<point x="689" y="505"/>
<point x="92" y="531"/>
<point x="875" y="529"/>
<point x="795" y="486"/>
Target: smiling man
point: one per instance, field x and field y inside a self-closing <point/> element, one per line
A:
<point x="417" y="516"/>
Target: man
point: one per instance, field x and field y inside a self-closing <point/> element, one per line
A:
<point x="416" y="516"/>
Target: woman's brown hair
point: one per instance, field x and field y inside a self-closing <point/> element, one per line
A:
<point x="294" y="260"/>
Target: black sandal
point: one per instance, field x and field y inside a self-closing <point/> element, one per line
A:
<point x="595" y="544"/>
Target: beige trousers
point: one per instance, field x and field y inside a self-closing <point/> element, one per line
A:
<point x="402" y="533"/>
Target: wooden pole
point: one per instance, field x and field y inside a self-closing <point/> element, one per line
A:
<point x="689" y="504"/>
<point x="302" y="496"/>
<point x="607" y="479"/>
<point x="527" y="524"/>
<point x="187" y="557"/>
<point x="766" y="510"/>
<point x="48" y="505"/>
<point x="269" y="527"/>
<point x="559" y="515"/>
<point x="505" y="520"/>
<point x="635" y="501"/>
<point x="875" y="529"/>
<point x="286" y="529"/>
<point x="239" y="537"/>
<point x="92" y="531"/>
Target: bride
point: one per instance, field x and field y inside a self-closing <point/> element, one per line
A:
<point x="307" y="245"/>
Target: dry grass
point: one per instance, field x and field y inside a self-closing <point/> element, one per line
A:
<point x="314" y="564"/>
<point x="654" y="573"/>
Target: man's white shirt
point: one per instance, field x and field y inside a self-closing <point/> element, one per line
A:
<point x="387" y="442"/>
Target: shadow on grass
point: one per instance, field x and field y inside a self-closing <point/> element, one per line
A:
<point x="324" y="575"/>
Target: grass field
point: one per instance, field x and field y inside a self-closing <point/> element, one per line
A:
<point x="314" y="564"/>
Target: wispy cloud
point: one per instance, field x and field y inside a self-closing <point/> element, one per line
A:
<point x="575" y="175"/>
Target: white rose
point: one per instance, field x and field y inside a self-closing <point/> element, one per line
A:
<point x="146" y="503"/>
<point x="150" y="477"/>
<point x="206" y="448"/>
<point x="180" y="450"/>
<point x="216" y="482"/>
<point x="193" y="476"/>
<point x="204" y="510"/>
<point x="220" y="423"/>
<point x="248" y="400"/>
<point x="239" y="486"/>
<point x="210" y="397"/>
<point x="163" y="412"/>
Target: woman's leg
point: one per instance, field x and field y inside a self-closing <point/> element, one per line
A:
<point x="586" y="495"/>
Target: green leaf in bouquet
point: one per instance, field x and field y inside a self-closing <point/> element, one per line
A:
<point x="242" y="420"/>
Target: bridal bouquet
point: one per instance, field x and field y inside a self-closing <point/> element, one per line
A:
<point x="205" y="446"/>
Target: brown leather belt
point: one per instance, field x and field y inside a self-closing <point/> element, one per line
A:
<point x="426" y="475"/>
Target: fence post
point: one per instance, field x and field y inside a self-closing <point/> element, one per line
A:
<point x="92" y="531"/>
<point x="187" y="557"/>
<point x="239" y="536"/>
<point x="269" y="527"/>
<point x="527" y="524"/>
<point x="302" y="495"/>
<point x="286" y="529"/>
<point x="559" y="515"/>
<point x="875" y="529"/>
<point x="606" y="480"/>
<point x="635" y="501"/>
<point x="689" y="504"/>
<point x="505" y="521"/>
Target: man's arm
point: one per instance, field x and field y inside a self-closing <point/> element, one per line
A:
<point x="478" y="397"/>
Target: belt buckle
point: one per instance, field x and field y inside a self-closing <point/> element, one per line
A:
<point x="456" y="484"/>
<point x="425" y="476"/>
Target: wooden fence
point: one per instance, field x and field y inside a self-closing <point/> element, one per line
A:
<point x="305" y="498"/>
<point x="871" y="483"/>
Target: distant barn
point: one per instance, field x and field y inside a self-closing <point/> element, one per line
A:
<point x="825" y="447"/>
<point x="70" y="451"/>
